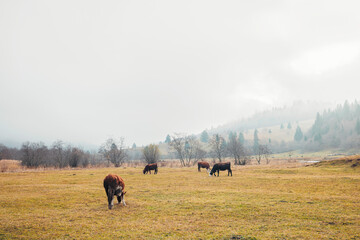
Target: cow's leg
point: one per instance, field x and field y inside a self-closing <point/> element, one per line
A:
<point x="156" y="171"/>
<point x="110" y="195"/>
<point x="218" y="172"/>
<point x="150" y="171"/>
<point x="122" y="199"/>
<point x="198" y="168"/>
<point x="106" y="189"/>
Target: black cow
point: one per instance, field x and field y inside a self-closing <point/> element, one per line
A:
<point x="150" y="167"/>
<point x="220" y="167"/>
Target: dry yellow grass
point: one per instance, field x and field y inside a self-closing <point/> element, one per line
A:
<point x="10" y="165"/>
<point x="180" y="203"/>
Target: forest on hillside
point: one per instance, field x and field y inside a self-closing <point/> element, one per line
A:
<point x="337" y="128"/>
<point x="298" y="111"/>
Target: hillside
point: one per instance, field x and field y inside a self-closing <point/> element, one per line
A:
<point x="298" y="111"/>
<point x="347" y="162"/>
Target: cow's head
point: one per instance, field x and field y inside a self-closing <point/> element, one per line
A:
<point x="211" y="173"/>
<point x="144" y="171"/>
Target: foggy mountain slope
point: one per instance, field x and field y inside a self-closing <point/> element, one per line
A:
<point x="298" y="111"/>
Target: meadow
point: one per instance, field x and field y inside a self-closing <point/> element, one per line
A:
<point x="258" y="202"/>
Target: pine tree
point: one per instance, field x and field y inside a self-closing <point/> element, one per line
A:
<point x="256" y="141"/>
<point x="168" y="139"/>
<point x="204" y="137"/>
<point x="298" y="134"/>
<point x="289" y="125"/>
<point x="241" y="138"/>
<point x="357" y="127"/>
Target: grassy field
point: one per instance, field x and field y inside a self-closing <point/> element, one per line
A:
<point x="258" y="202"/>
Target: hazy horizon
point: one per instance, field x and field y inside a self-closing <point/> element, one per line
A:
<point x="83" y="71"/>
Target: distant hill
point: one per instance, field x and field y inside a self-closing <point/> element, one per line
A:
<point x="299" y="111"/>
<point x="337" y="128"/>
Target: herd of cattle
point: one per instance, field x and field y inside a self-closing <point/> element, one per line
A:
<point x="115" y="186"/>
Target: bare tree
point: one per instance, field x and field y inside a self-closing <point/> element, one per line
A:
<point x="236" y="149"/>
<point x="187" y="147"/>
<point x="218" y="147"/>
<point x="34" y="154"/>
<point x="75" y="157"/>
<point x="151" y="153"/>
<point x="267" y="153"/>
<point x="262" y="151"/>
<point x="4" y="152"/>
<point x="114" y="151"/>
<point x="58" y="153"/>
<point x="245" y="158"/>
<point x="200" y="153"/>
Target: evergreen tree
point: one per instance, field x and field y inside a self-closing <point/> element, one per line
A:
<point x="298" y="134"/>
<point x="133" y="146"/>
<point x="256" y="141"/>
<point x="168" y="139"/>
<point x="241" y="138"/>
<point x="289" y="125"/>
<point x="231" y="135"/>
<point x="204" y="137"/>
<point x="318" y="137"/>
<point x="282" y="126"/>
<point x="346" y="110"/>
<point x="357" y="127"/>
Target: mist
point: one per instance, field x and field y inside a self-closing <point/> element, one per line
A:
<point x="83" y="71"/>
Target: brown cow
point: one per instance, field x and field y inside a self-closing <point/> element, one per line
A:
<point x="114" y="185"/>
<point x="203" y="165"/>
<point x="150" y="167"/>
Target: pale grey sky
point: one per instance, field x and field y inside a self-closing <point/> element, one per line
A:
<point x="82" y="71"/>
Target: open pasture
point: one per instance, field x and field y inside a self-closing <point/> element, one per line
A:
<point x="181" y="203"/>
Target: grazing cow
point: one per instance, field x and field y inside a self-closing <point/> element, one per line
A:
<point x="114" y="185"/>
<point x="220" y="167"/>
<point x="150" y="167"/>
<point x="203" y="165"/>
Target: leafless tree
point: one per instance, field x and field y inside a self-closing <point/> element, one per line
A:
<point x="267" y="153"/>
<point x="34" y="154"/>
<point x="75" y="157"/>
<point x="4" y="152"/>
<point x="200" y="153"/>
<point x="187" y="147"/>
<point x="262" y="151"/>
<point x="236" y="149"/>
<point x="58" y="154"/>
<point x="245" y="158"/>
<point x="114" y="151"/>
<point x="151" y="153"/>
<point x="218" y="147"/>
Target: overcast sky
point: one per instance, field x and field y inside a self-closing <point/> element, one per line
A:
<point x="83" y="71"/>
